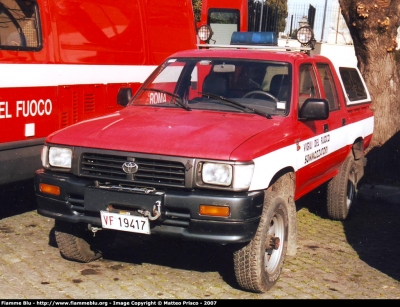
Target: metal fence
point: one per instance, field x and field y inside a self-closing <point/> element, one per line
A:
<point x="328" y="23"/>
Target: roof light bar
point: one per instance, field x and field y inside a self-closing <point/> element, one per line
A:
<point x="254" y="38"/>
<point x="265" y="48"/>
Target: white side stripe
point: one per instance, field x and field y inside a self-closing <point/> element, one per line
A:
<point x="268" y="165"/>
<point x="31" y="75"/>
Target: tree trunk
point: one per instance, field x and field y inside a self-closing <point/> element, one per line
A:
<point x="373" y="26"/>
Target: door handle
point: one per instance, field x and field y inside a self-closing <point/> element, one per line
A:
<point x="326" y="128"/>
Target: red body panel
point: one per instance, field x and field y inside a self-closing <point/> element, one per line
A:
<point x="109" y="32"/>
<point x="205" y="134"/>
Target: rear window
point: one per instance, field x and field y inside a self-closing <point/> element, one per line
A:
<point x="354" y="86"/>
<point x="223" y="22"/>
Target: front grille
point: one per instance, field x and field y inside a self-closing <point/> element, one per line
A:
<point x="154" y="172"/>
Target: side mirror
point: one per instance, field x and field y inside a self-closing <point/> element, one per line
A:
<point x="124" y="96"/>
<point x="314" y="109"/>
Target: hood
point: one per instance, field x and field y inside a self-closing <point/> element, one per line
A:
<point x="166" y="131"/>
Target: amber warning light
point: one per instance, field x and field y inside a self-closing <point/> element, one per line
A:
<point x="214" y="210"/>
<point x="49" y="189"/>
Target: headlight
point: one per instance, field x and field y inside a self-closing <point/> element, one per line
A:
<point x="237" y="176"/>
<point x="60" y="157"/>
<point x="217" y="173"/>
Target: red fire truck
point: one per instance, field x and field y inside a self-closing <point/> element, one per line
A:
<point x="63" y="61"/>
<point x="216" y="146"/>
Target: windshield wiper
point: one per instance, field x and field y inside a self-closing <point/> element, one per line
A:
<point x="177" y="98"/>
<point x="237" y="104"/>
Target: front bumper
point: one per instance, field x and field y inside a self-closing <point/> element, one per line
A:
<point x="81" y="200"/>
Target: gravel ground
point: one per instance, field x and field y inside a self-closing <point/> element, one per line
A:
<point x="355" y="259"/>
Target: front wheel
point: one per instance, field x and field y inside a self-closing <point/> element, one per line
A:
<point x="259" y="264"/>
<point x="77" y="243"/>
<point x="342" y="190"/>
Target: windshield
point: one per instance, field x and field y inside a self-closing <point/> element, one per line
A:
<point x="232" y="85"/>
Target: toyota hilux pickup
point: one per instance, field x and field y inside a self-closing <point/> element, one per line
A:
<point x="216" y="146"/>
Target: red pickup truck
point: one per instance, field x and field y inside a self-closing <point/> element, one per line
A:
<point x="216" y="146"/>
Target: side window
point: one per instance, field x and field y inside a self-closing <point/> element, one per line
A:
<point x="308" y="87"/>
<point x="20" y="28"/>
<point x="353" y="84"/>
<point x="329" y="86"/>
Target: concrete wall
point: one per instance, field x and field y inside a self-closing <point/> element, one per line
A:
<point x="339" y="54"/>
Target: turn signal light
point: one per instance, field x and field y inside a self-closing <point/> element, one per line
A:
<point x="49" y="189"/>
<point x="214" y="210"/>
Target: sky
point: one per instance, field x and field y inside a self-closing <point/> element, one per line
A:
<point x="312" y="2"/>
<point x="319" y="5"/>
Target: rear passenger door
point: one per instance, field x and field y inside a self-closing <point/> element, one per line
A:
<point x="336" y="139"/>
<point x="313" y="160"/>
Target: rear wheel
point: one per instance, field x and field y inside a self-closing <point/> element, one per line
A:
<point x="258" y="265"/>
<point x="77" y="243"/>
<point x="342" y="190"/>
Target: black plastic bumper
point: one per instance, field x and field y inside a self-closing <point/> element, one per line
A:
<point x="81" y="200"/>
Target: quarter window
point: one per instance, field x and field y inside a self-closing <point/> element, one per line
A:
<point x="353" y="85"/>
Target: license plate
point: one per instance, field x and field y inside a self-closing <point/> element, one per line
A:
<point x="125" y="222"/>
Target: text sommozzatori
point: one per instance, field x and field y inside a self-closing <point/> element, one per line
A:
<point x="315" y="146"/>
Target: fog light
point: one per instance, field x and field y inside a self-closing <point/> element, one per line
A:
<point x="49" y="189"/>
<point x="214" y="210"/>
<point x="205" y="32"/>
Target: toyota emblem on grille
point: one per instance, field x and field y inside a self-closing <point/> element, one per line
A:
<point x="130" y="167"/>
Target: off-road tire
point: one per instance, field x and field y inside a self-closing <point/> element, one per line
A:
<point x="342" y="190"/>
<point x="285" y="186"/>
<point x="77" y="243"/>
<point x="257" y="268"/>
